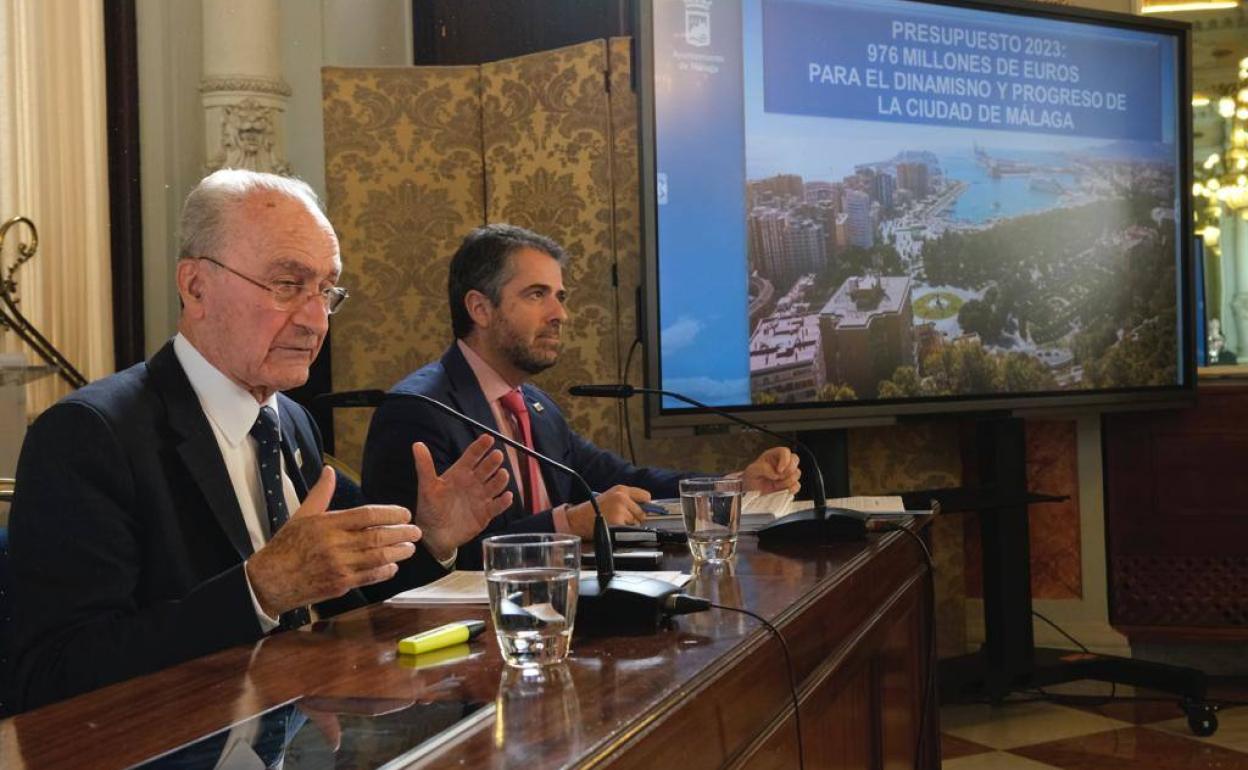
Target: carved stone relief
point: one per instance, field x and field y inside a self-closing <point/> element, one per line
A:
<point x="249" y="138"/>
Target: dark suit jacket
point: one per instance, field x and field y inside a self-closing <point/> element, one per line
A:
<point x="127" y="541"/>
<point x="400" y="422"/>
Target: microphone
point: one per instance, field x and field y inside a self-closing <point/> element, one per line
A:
<point x="818" y="524"/>
<point x="613" y="390"/>
<point x="607" y="603"/>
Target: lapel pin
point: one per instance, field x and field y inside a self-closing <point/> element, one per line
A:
<point x="537" y="407"/>
<point x="298" y="457"/>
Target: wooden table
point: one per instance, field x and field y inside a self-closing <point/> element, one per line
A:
<point x="710" y="691"/>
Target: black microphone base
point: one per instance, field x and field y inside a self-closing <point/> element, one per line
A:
<point x="624" y="605"/>
<point x="810" y="526"/>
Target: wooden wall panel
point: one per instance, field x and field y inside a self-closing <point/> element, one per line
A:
<point x="1176" y="519"/>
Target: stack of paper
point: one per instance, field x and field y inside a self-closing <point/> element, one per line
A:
<point x="458" y="587"/>
<point x="468" y="587"/>
<point x="776" y="504"/>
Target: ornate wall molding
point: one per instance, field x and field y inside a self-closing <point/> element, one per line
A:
<point x="245" y="83"/>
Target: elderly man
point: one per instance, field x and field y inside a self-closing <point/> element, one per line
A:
<point x="507" y="312"/>
<point x="180" y="506"/>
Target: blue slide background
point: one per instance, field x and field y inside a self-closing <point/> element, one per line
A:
<point x="702" y="226"/>
<point x="797" y="34"/>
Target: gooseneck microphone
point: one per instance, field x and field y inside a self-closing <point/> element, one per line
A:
<point x="607" y="602"/>
<point x="817" y="524"/>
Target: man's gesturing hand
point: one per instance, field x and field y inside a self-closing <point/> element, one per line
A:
<point x="452" y="508"/>
<point x="320" y="554"/>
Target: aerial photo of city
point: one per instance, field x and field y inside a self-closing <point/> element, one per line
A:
<point x="970" y="272"/>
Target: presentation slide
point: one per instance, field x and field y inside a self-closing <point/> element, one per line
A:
<point x="883" y="199"/>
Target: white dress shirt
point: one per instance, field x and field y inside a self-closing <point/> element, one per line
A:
<point x="231" y="412"/>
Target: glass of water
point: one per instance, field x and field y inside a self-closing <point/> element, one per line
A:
<point x="532" y="581"/>
<point x="712" y="512"/>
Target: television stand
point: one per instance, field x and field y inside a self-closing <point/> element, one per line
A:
<point x="1009" y="660"/>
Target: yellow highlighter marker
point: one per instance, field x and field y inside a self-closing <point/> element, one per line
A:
<point x="442" y="636"/>
<point x="452" y="654"/>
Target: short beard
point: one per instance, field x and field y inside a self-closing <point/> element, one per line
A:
<point x="523" y="359"/>
<point x="519" y="354"/>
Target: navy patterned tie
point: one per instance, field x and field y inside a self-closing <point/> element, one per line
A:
<point x="269" y="455"/>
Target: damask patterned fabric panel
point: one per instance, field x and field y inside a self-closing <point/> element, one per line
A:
<point x="404" y="182"/>
<point x="547" y="165"/>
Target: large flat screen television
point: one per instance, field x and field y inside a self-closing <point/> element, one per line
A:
<point x="860" y="209"/>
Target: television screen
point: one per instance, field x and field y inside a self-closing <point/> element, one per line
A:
<point x="856" y="209"/>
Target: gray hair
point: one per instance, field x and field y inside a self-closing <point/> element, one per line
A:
<point x="202" y="227"/>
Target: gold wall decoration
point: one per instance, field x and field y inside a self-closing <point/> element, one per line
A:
<point x="547" y="168"/>
<point x="404" y="181"/>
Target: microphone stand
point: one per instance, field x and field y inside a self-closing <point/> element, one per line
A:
<point x="607" y="603"/>
<point x="815" y="524"/>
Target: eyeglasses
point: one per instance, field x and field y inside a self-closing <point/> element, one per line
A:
<point x="288" y="295"/>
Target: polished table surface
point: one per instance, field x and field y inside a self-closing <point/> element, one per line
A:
<point x="710" y="688"/>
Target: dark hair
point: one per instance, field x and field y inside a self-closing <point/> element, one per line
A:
<point x="481" y="263"/>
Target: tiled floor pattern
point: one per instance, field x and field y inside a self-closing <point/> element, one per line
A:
<point x="1117" y="735"/>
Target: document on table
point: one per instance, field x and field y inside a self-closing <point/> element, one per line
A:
<point x="468" y="587"/>
<point x="776" y="504"/>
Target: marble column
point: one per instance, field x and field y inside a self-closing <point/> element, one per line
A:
<point x="243" y="92"/>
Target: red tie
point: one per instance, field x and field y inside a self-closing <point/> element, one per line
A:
<point x="513" y="402"/>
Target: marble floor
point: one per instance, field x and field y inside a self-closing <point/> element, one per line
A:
<point x="1035" y="734"/>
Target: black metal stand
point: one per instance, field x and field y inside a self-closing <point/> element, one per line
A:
<point x="1009" y="659"/>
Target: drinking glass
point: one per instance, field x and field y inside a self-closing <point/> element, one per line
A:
<point x="532" y="581"/>
<point x="711" y="507"/>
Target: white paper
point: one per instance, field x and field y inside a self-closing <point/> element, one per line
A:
<point x="468" y="587"/>
<point x="879" y="504"/>
<point x="775" y="503"/>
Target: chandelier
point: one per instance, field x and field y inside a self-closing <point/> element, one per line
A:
<point x="1221" y="178"/>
